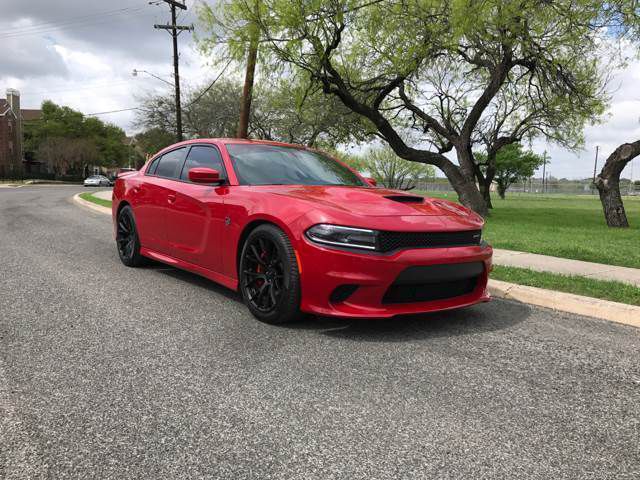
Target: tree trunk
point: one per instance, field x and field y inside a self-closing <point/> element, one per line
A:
<point x="465" y="182"/>
<point x="469" y="194"/>
<point x="608" y="184"/>
<point x="612" y="204"/>
<point x="485" y="190"/>
<point x="502" y="190"/>
<point x="247" y="90"/>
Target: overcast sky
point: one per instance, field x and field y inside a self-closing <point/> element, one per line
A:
<point x="81" y="53"/>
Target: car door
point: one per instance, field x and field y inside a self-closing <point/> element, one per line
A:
<point x="195" y="218"/>
<point x="152" y="196"/>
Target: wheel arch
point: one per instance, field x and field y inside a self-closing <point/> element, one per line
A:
<point x="251" y="226"/>
<point x="121" y="205"/>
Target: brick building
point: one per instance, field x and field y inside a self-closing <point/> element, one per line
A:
<point x="12" y="119"/>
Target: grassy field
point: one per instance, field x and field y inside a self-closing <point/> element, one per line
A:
<point x="563" y="226"/>
<point x="99" y="201"/>
<point x="614" y="291"/>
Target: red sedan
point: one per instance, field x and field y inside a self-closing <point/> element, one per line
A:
<point x="297" y="231"/>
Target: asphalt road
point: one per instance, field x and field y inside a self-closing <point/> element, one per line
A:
<point x="111" y="372"/>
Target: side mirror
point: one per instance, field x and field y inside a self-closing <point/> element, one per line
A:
<point x="372" y="181"/>
<point x="205" y="175"/>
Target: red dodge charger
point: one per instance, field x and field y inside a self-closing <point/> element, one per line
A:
<point x="297" y="231"/>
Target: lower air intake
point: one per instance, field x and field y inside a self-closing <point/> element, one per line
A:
<point x="434" y="282"/>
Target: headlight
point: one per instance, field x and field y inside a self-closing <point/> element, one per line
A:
<point x="339" y="236"/>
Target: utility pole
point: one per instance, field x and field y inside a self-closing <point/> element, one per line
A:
<point x="175" y="30"/>
<point x="595" y="164"/>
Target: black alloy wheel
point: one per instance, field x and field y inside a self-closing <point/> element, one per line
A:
<point x="269" y="277"/>
<point x="127" y="239"/>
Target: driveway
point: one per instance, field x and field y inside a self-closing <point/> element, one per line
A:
<point x="110" y="372"/>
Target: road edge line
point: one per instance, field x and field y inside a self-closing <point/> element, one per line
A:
<point x="93" y="206"/>
<point x="567" y="302"/>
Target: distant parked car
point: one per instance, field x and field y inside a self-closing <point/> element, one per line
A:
<point x="97" y="181"/>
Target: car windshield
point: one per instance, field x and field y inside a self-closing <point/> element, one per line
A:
<point x="278" y="165"/>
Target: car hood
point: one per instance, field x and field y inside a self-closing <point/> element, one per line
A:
<point x="375" y="202"/>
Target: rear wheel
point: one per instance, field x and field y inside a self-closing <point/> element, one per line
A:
<point x="127" y="238"/>
<point x="269" y="277"/>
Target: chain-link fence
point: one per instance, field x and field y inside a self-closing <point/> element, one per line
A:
<point x="536" y="186"/>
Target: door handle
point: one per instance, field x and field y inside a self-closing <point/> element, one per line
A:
<point x="171" y="198"/>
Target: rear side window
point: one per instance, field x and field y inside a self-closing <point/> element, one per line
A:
<point x="152" y="168"/>
<point x="169" y="163"/>
<point x="200" y="156"/>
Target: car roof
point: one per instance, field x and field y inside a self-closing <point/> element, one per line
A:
<point x="231" y="141"/>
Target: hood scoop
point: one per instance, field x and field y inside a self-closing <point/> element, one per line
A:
<point x="405" y="198"/>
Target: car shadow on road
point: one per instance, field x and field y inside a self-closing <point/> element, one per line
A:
<point x="497" y="315"/>
<point x="196" y="280"/>
<point x="493" y="316"/>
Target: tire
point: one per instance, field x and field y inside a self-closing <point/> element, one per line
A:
<point x="127" y="240"/>
<point x="269" y="279"/>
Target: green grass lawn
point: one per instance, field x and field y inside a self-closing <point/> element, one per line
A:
<point x="614" y="291"/>
<point x="88" y="196"/>
<point x="563" y="226"/>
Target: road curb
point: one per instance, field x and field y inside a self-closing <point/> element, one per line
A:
<point x="86" y="204"/>
<point x="567" y="302"/>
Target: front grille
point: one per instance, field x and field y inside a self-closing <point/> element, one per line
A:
<point x="390" y="241"/>
<point x="434" y="282"/>
<point x="429" y="292"/>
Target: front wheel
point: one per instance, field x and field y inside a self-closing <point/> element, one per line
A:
<point x="127" y="238"/>
<point x="269" y="276"/>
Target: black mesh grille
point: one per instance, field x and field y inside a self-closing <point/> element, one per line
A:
<point x="426" y="283"/>
<point x="429" y="292"/>
<point x="389" y="241"/>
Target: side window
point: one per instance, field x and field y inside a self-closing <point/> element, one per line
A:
<point x="201" y="156"/>
<point x="152" y="168"/>
<point x="169" y="162"/>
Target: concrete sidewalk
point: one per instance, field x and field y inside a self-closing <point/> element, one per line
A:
<point x="104" y="194"/>
<point x="565" y="266"/>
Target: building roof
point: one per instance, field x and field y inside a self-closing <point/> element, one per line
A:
<point x="4" y="107"/>
<point x="31" y="114"/>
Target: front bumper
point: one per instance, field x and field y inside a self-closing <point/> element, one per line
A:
<point x="325" y="269"/>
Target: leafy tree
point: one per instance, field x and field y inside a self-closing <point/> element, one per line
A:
<point x="153" y="140"/>
<point x="384" y="60"/>
<point x="291" y="112"/>
<point x="69" y="141"/>
<point x="513" y="164"/>
<point x="65" y="155"/>
<point x="282" y="110"/>
<point x="393" y="172"/>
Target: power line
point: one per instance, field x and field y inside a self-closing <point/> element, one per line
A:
<point x="81" y="24"/>
<point x="53" y="23"/>
<point x="203" y="93"/>
<point x="111" y="111"/>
